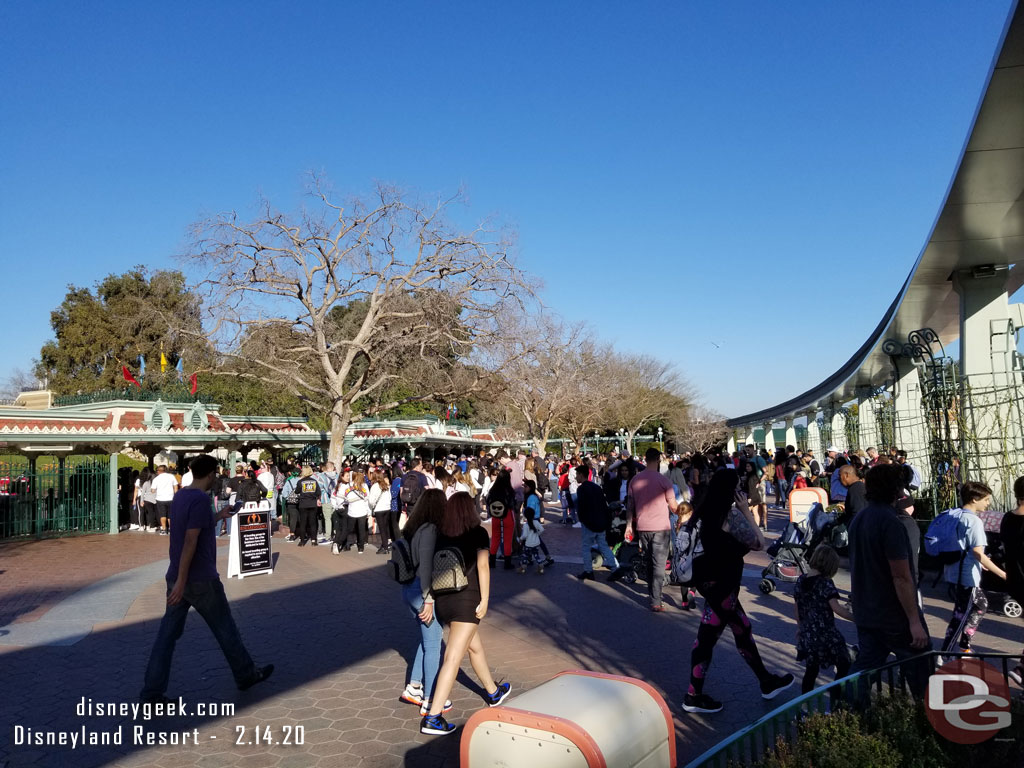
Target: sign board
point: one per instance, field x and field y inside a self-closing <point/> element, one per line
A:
<point x="251" y="548"/>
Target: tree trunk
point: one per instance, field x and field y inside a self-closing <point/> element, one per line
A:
<point x="339" y="426"/>
<point x="630" y="435"/>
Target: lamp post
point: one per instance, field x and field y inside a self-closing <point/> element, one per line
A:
<point x="660" y="440"/>
<point x="597" y="442"/>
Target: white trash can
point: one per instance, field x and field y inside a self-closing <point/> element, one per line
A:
<point x="575" y="720"/>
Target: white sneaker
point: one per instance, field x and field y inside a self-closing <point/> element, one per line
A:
<point x="413" y="694"/>
<point x="577" y="525"/>
<point x="334" y="548"/>
<point x="133" y="527"/>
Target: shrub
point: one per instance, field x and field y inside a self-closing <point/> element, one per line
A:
<point x="901" y="722"/>
<point x="832" y="741"/>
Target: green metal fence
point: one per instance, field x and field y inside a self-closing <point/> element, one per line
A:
<point x="170" y="394"/>
<point x="54" y="498"/>
<point x="750" y="744"/>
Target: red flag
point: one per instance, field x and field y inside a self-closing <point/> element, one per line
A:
<point x="194" y="381"/>
<point x="128" y="376"/>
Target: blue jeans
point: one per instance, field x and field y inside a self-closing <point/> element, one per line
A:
<point x="593" y="539"/>
<point x="210" y="602"/>
<point x="428" y="651"/>
<point x="782" y="486"/>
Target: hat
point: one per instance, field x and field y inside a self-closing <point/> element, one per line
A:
<point x="832" y="449"/>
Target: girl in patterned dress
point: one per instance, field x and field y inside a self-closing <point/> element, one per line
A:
<point x="818" y="642"/>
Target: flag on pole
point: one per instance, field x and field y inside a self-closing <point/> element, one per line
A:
<point x="128" y="376"/>
<point x="181" y="369"/>
<point x="163" y="360"/>
<point x="142" y="368"/>
<point x="194" y="382"/>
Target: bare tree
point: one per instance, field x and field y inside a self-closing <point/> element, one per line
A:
<point x="701" y="430"/>
<point x="541" y="372"/>
<point x="340" y="303"/>
<point x="19" y="381"/>
<point x="643" y="390"/>
<point x="588" y="396"/>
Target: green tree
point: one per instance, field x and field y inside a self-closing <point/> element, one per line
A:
<point x="97" y="331"/>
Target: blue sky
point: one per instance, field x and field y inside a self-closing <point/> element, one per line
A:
<point x="679" y="173"/>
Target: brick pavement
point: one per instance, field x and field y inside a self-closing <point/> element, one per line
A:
<point x="342" y="641"/>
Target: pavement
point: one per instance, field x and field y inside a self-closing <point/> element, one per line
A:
<point x="341" y="641"/>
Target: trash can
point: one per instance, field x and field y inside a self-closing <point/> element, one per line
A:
<point x="577" y="719"/>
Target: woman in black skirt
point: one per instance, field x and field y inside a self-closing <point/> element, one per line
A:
<point x="462" y="611"/>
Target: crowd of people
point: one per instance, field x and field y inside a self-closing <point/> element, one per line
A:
<point x="433" y="514"/>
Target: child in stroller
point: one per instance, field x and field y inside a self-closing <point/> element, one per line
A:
<point x="791" y="551"/>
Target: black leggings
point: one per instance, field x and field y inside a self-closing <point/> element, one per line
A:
<point x="357" y="525"/>
<point x="813" y="668"/>
<point x="149" y="516"/>
<point x="306" y="523"/>
<point x="384" y="527"/>
<point x="722" y="607"/>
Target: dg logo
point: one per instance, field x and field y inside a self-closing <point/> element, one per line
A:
<point x="968" y="701"/>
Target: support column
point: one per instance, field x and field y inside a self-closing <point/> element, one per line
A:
<point x="790" y="432"/>
<point x="112" y="495"/>
<point x="839" y="431"/>
<point x="867" y="423"/>
<point x="769" y="438"/>
<point x="991" y="404"/>
<point x="730" y="445"/>
<point x="814" y="437"/>
<point x="750" y="436"/>
<point x="911" y="432"/>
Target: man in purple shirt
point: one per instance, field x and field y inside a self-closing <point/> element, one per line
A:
<point x="192" y="582"/>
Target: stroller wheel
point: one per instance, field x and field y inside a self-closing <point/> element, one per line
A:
<point x="629" y="577"/>
<point x="767" y="586"/>
<point x="596" y="559"/>
<point x="1012" y="609"/>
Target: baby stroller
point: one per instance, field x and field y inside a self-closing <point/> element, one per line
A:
<point x="995" y="588"/>
<point x="789" y="557"/>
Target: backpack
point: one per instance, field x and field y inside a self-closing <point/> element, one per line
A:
<point x="687" y="548"/>
<point x="497" y="508"/>
<point x="412" y="488"/>
<point x="403" y="569"/>
<point x="946" y="538"/>
<point x="449" y="572"/>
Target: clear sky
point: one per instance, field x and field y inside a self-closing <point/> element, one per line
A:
<point x="738" y="187"/>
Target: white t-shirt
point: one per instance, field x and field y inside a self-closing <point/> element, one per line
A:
<point x="186" y="479"/>
<point x="358" y="504"/>
<point x="266" y="479"/>
<point x="163" y="486"/>
<point x="380" y="499"/>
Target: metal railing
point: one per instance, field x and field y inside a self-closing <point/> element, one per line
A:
<point x="750" y="744"/>
<point x="55" y="498"/>
<point x="168" y="395"/>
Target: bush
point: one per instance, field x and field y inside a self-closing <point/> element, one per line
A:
<point x="902" y="723"/>
<point x="832" y="741"/>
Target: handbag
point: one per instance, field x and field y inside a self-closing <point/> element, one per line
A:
<point x="449" y="572"/>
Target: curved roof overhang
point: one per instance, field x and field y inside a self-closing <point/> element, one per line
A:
<point x="980" y="223"/>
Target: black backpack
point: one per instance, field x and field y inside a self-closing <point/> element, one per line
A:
<point x="412" y="488"/>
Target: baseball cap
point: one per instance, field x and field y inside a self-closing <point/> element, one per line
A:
<point x="832" y="449"/>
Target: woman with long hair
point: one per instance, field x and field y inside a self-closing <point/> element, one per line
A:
<point x="421" y="533"/>
<point x="462" y="611"/>
<point x="727" y="533"/>
<point x="357" y="497"/>
<point x="380" y="505"/>
<point x="503" y="528"/>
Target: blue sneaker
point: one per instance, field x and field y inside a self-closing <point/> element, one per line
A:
<point x="435" y="725"/>
<point x="500" y="694"/>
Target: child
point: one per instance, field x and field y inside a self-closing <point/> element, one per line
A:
<point x="530" y="535"/>
<point x="688" y="593"/>
<point x="818" y="642"/>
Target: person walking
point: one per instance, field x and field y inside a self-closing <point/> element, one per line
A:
<point x="193" y="582"/>
<point x="501" y="508"/>
<point x="164" y="486"/>
<point x="964" y="577"/>
<point x="421" y="532"/>
<point x="885" y="604"/>
<point x="595" y="518"/>
<point x="649" y="500"/>
<point x="463" y="611"/>
<point x="1011" y="531"/>
<point x="818" y="642"/>
<point x="727" y="532"/>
